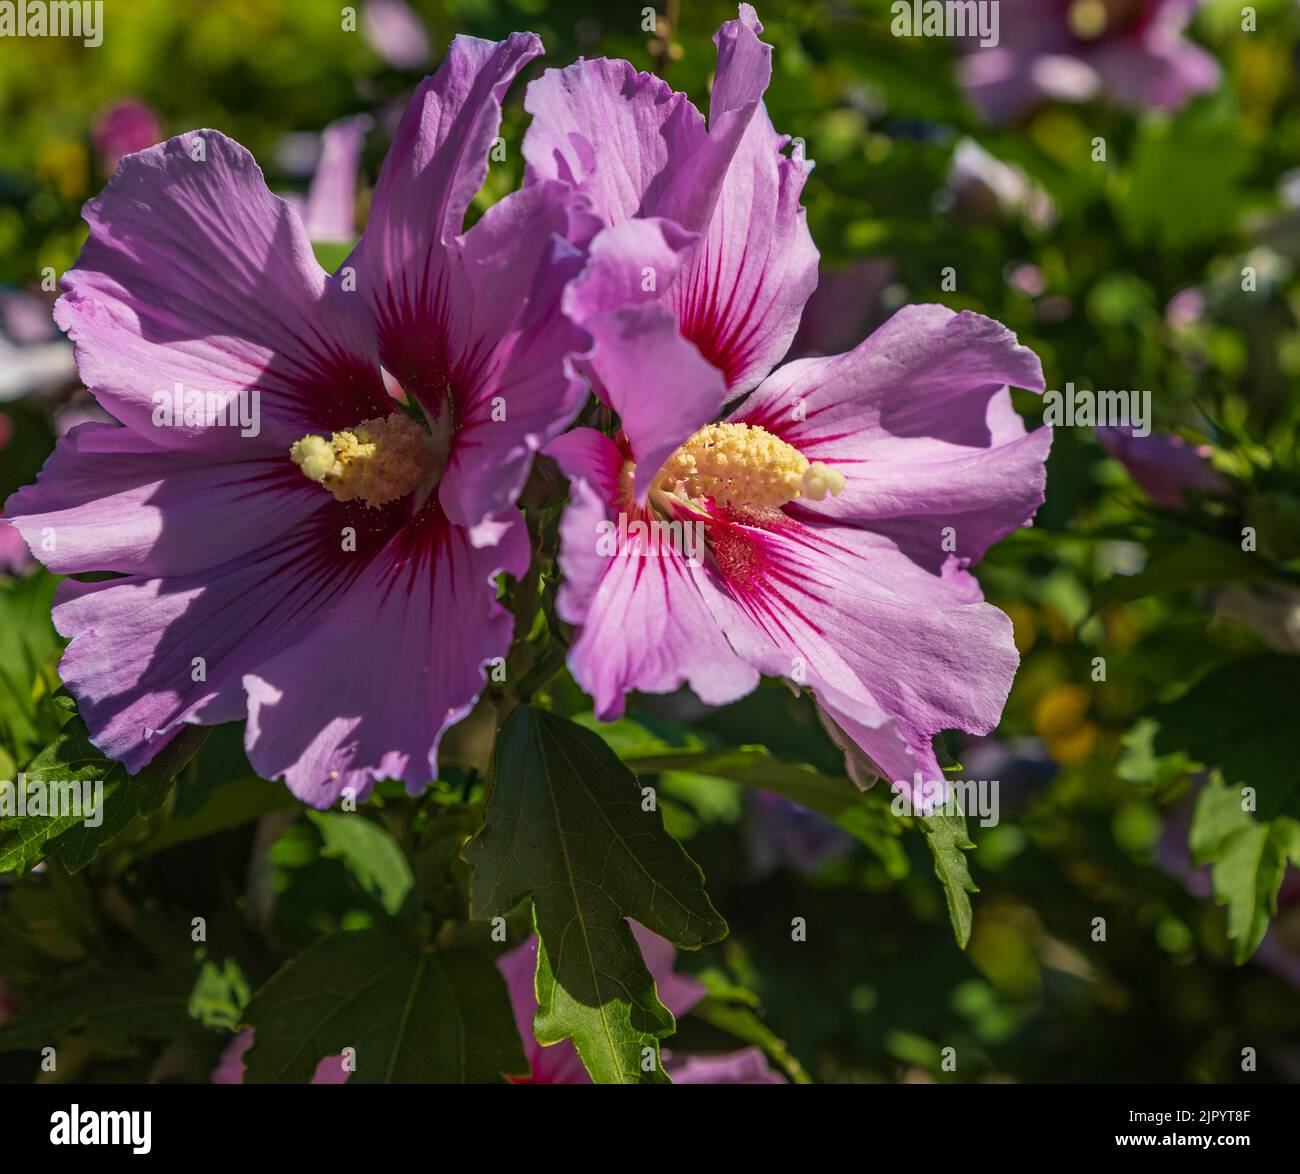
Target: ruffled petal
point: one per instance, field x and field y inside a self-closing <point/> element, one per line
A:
<point x="919" y="421"/>
<point x="749" y="279"/>
<point x="557" y="1064"/>
<point x="638" y="151"/>
<point x="230" y="1067"/>
<point x="329" y="212"/>
<point x="676" y="992"/>
<point x="747" y="1066"/>
<point x="514" y="385"/>
<point x="893" y="654"/>
<point x="593" y="464"/>
<point x="395" y="660"/>
<point x="437" y="162"/>
<point x="741" y="299"/>
<point x="148" y="655"/>
<point x="1166" y="468"/>
<point x="657" y="382"/>
<point x="111" y="500"/>
<point x="615" y="135"/>
<point x="560" y="1063"/>
<point x="195" y="277"/>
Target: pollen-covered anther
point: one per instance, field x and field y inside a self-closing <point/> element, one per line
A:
<point x="1088" y="18"/>
<point x="376" y="462"/>
<point x="745" y="466"/>
<point x="821" y="481"/>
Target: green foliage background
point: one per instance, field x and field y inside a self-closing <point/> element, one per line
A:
<point x="95" y="931"/>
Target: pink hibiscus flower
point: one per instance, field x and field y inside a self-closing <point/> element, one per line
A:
<point x="834" y="513"/>
<point x="123" y="128"/>
<point x="328" y="572"/>
<point x="1131" y="52"/>
<point x="230" y="1067"/>
<point x="560" y="1064"/>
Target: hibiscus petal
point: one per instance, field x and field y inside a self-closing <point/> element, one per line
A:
<point x="743" y="74"/>
<point x="437" y="162"/>
<point x="648" y="619"/>
<point x="196" y="276"/>
<point x="329" y="212"/>
<point x="873" y="635"/>
<point x="594" y="465"/>
<point x="557" y="1064"/>
<point x="150" y="654"/>
<point x="749" y="279"/>
<point x="396" y="659"/>
<point x="560" y="1064"/>
<point x="742" y="298"/>
<point x="676" y="991"/>
<point x="111" y="500"/>
<point x="747" y="1066"/>
<point x="919" y="421"/>
<point x="613" y="134"/>
<point x="661" y="387"/>
<point x="515" y="386"/>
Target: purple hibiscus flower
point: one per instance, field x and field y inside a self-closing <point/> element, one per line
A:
<point x="1167" y="468"/>
<point x="560" y="1064"/>
<point x="329" y="570"/>
<point x="825" y="527"/>
<point x="1131" y="52"/>
<point x="782" y="834"/>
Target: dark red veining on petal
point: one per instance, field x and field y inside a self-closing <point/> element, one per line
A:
<point x="414" y="330"/>
<point x="332" y="388"/>
<point x="759" y="574"/>
<point x="724" y="337"/>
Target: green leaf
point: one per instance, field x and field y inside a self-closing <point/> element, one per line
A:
<point x="1240" y="719"/>
<point x="565" y="825"/>
<point x="372" y="856"/>
<point x="331" y="254"/>
<point x="220" y="994"/>
<point x="863" y="816"/>
<point x="740" y="1021"/>
<point x="116" y="1009"/>
<point x="411" y="1013"/>
<point x="1192" y="561"/>
<point x="28" y="643"/>
<point x="949" y="843"/>
<point x="1248" y="860"/>
<point x="1169" y="157"/>
<point x="72" y="759"/>
<point x="229" y="805"/>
